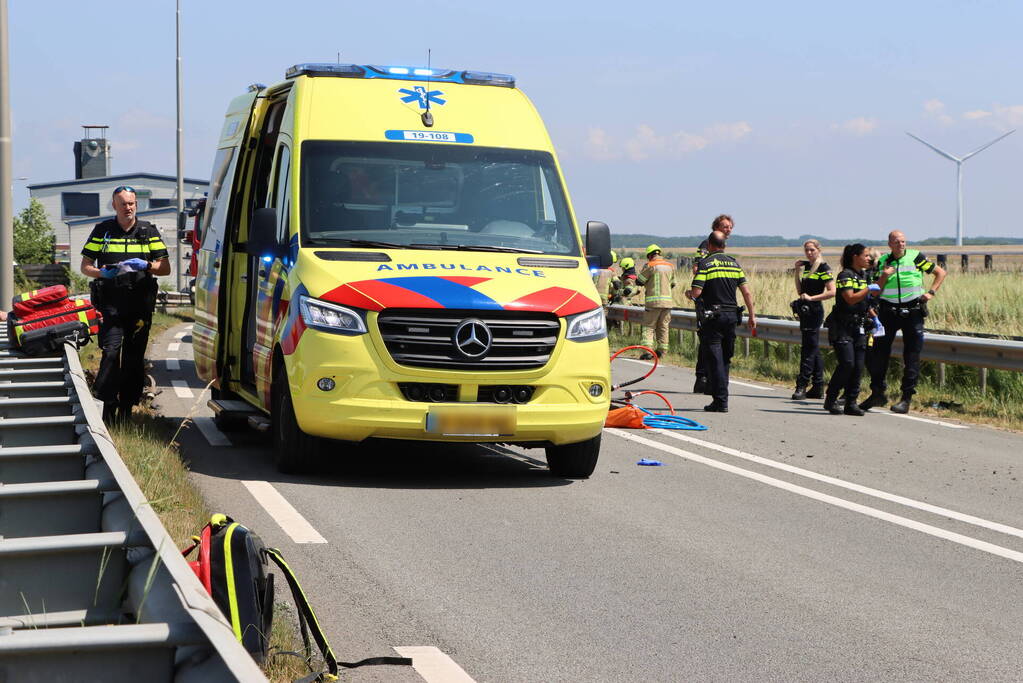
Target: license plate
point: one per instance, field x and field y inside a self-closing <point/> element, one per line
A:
<point x="472" y="421"/>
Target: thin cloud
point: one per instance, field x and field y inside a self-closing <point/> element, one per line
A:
<point x="859" y="126"/>
<point x="646" y="143"/>
<point x="936" y="109"/>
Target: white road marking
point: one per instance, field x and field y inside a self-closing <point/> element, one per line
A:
<point x="174" y="346"/>
<point x="214" y="436"/>
<point x="751" y="386"/>
<point x="181" y="388"/>
<point x="875" y="493"/>
<point x="181" y="334"/>
<point x="173" y="364"/>
<point x="433" y="665"/>
<point x="928" y="529"/>
<point x="282" y="512"/>
<point x="920" y="419"/>
<point x="731" y="381"/>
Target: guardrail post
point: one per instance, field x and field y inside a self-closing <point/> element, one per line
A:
<point x="941" y="375"/>
<point x="965" y="261"/>
<point x="989" y="261"/>
<point x="942" y="261"/>
<point x="745" y="347"/>
<point x="767" y="349"/>
<point x="983" y="381"/>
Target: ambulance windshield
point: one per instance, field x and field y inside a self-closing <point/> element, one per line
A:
<point x="430" y="195"/>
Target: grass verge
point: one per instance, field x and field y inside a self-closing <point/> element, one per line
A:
<point x="145" y="444"/>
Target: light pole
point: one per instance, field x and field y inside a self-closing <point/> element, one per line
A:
<point x="959" y="177"/>
<point x="6" y="193"/>
<point x="181" y="179"/>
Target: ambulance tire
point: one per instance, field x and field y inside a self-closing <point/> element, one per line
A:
<point x="574" y="460"/>
<point x="294" y="451"/>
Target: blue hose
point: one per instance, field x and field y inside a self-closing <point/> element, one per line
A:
<point x="655" y="421"/>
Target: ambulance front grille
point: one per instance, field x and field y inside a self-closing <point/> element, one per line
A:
<point x="424" y="338"/>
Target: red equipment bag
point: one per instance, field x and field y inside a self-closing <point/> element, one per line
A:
<point x="28" y="303"/>
<point x="48" y="322"/>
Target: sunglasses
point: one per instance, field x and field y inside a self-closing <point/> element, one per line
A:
<point x="123" y="188"/>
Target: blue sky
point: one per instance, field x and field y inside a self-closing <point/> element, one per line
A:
<point x="791" y="116"/>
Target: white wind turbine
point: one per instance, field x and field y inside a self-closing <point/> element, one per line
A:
<point x="959" y="176"/>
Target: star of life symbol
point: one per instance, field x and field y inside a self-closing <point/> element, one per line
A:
<point x="422" y="96"/>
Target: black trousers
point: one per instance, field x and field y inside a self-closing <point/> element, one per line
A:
<point x="912" y="326"/>
<point x="123" y="337"/>
<point x="811" y="365"/>
<point x="701" y="358"/>
<point x="717" y="340"/>
<point x="850" y="347"/>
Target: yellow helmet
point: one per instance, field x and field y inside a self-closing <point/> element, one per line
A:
<point x="651" y="249"/>
<point x="614" y="256"/>
<point x="627" y="263"/>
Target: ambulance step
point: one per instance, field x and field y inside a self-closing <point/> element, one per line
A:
<point x="261" y="423"/>
<point x="231" y="416"/>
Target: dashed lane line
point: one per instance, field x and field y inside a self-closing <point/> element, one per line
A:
<point x="181" y="388"/>
<point x="173" y="364"/>
<point x="919" y="419"/>
<point x="731" y="381"/>
<point x="433" y="665"/>
<point x="865" y="490"/>
<point x="181" y="334"/>
<point x="174" y="346"/>
<point x="928" y="529"/>
<point x="282" y="512"/>
<point x="214" y="436"/>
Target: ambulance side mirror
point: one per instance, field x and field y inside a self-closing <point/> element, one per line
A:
<point x="263" y="234"/>
<point x="598" y="244"/>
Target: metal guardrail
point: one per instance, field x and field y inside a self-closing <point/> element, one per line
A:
<point x="92" y="587"/>
<point x="997" y="354"/>
<point x="166" y="299"/>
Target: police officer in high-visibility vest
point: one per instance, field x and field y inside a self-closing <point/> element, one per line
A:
<point x="723" y="224"/>
<point x="717" y="277"/>
<point x="902" y="306"/>
<point x="123" y="254"/>
<point x="658" y="277"/>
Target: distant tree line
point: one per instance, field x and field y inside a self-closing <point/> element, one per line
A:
<point x="739" y="240"/>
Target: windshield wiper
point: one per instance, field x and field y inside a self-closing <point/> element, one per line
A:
<point x="373" y="243"/>
<point x="476" y="247"/>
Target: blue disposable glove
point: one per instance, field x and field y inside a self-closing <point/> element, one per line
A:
<point x="108" y="272"/>
<point x="135" y="264"/>
<point x="873" y="287"/>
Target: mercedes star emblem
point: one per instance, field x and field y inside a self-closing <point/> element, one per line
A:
<point x="473" y="338"/>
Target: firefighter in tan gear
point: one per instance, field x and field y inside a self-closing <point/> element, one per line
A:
<point x="658" y="277"/>
<point x="609" y="283"/>
<point x="629" y="287"/>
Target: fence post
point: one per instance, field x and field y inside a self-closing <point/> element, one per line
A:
<point x="745" y="347"/>
<point x="965" y="260"/>
<point x="983" y="381"/>
<point x="941" y="375"/>
<point x="989" y="261"/>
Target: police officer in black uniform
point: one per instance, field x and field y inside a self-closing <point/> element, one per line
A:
<point x="717" y="277"/>
<point x="122" y="255"/>
<point x="723" y="224"/>
<point x="846" y="330"/>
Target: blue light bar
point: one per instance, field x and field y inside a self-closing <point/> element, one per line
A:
<point x="402" y="73"/>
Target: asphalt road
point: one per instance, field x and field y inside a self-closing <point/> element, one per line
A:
<point x="782" y="543"/>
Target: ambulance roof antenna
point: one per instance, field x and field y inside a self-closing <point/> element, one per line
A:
<point x="959" y="176"/>
<point x="427" y="116"/>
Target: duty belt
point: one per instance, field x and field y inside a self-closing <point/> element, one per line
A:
<point x="905" y="309"/>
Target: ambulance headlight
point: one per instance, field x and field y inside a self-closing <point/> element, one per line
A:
<point x="587" y="326"/>
<point x="328" y="317"/>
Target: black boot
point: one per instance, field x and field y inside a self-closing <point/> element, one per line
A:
<point x="876" y="398"/>
<point x="816" y="391"/>
<point x="852" y="409"/>
<point x="831" y="405"/>
<point x="902" y="407"/>
<point x="800" y="393"/>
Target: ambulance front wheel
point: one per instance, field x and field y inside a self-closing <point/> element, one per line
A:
<point x="294" y="451"/>
<point x="574" y="460"/>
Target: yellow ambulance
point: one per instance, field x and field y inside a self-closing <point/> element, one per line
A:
<point x="390" y="253"/>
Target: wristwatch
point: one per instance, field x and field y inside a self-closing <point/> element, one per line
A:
<point x="932" y="292"/>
